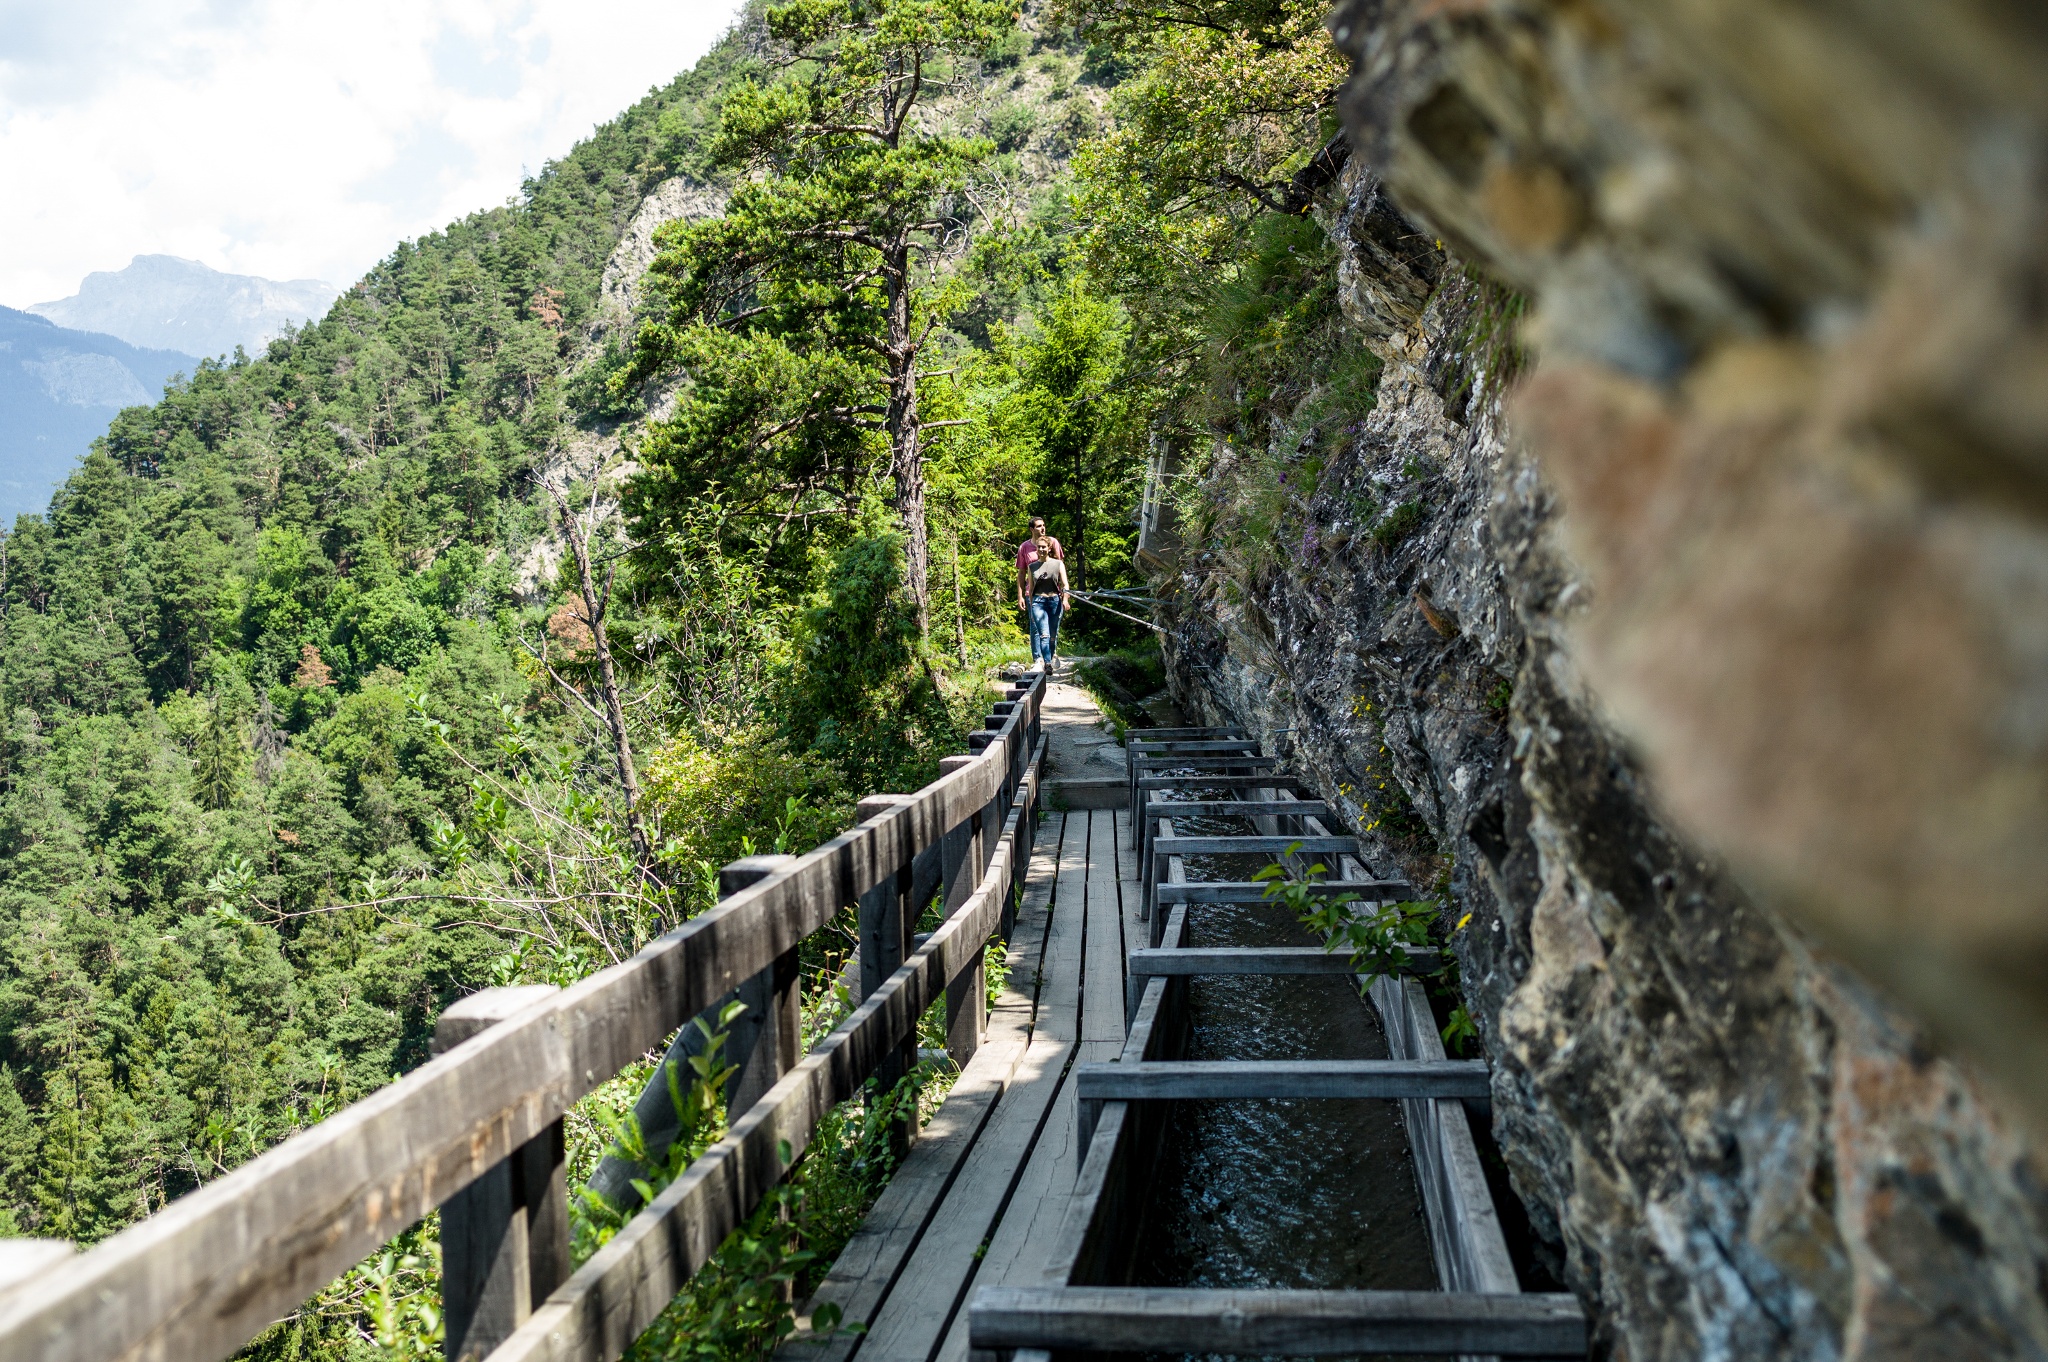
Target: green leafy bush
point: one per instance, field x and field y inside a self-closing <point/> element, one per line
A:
<point x="1011" y="126"/>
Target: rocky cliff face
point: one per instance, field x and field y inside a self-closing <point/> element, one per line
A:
<point x="1649" y="612"/>
<point x="619" y="292"/>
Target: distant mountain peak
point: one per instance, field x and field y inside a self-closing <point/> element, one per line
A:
<point x="170" y="303"/>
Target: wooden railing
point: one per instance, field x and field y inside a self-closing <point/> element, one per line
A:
<point x="476" y="1130"/>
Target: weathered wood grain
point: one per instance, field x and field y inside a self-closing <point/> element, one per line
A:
<point x="598" y="1313"/>
<point x="1255" y="960"/>
<point x="1164" y="845"/>
<point x="1160" y="1081"/>
<point x="945" y="1260"/>
<point x="979" y="1233"/>
<point x="1218" y="780"/>
<point x="1464" y="1228"/>
<point x="1254" y="891"/>
<point x="868" y="1268"/>
<point x="907" y="1218"/>
<point x="1130" y="899"/>
<point x="766" y="1039"/>
<point x="1059" y="994"/>
<point x="504" y="1237"/>
<point x="1166" y="808"/>
<point x="1139" y="765"/>
<point x="1465" y="1234"/>
<point x="216" y="1267"/>
<point x="1260" y="811"/>
<point x="1275" y="1323"/>
<point x="1102" y="969"/>
<point x="1199" y="761"/>
<point x="1108" y="1135"/>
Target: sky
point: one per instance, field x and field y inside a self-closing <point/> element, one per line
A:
<point x="297" y="139"/>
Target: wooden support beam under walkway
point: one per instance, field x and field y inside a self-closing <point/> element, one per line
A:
<point x="1099" y="1319"/>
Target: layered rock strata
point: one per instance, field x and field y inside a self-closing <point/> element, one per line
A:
<point x="1789" y="263"/>
<point x="1677" y="668"/>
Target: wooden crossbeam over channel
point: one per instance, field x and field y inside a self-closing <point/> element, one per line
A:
<point x="1202" y="761"/>
<point x="1105" y="1319"/>
<point x="1255" y="891"/>
<point x="1189" y="1080"/>
<point x="1165" y="845"/>
<point x="1153" y="749"/>
<point x="1221" y="780"/>
<point x="1146" y="963"/>
<point x="1119" y="1116"/>
<point x="1264" y="808"/>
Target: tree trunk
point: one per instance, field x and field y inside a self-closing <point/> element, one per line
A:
<point x="959" y="614"/>
<point x="594" y="606"/>
<point x="906" y="454"/>
<point x="907" y="469"/>
<point x="1078" y="553"/>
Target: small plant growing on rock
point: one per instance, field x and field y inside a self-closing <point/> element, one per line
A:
<point x="1399" y="523"/>
<point x="1385" y="940"/>
<point x="1382" y="940"/>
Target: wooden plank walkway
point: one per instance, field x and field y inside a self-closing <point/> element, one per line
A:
<point x="981" y="1198"/>
<point x="1029" y="1176"/>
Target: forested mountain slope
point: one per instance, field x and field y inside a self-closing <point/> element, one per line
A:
<point x="305" y="731"/>
<point x="213" y="646"/>
<point x="301" y="733"/>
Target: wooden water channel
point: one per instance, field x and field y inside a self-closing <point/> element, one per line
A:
<point x="1010" y="1225"/>
<point x="1079" y="1305"/>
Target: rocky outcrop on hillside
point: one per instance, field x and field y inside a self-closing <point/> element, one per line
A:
<point x="600" y="452"/>
<point x="1716" y="659"/>
<point x="676" y="199"/>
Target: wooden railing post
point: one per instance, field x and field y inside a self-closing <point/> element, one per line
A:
<point x="964" y="859"/>
<point x="504" y="1237"/>
<point x="885" y="932"/>
<point x="767" y="1039"/>
<point x="967" y="1009"/>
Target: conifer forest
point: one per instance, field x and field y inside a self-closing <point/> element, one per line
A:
<point x="459" y="636"/>
<point x="1590" y="452"/>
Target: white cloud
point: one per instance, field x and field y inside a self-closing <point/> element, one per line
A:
<point x="295" y="140"/>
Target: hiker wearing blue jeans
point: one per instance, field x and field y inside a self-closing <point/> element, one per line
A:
<point x="1042" y="592"/>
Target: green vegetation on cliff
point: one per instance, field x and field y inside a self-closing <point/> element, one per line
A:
<point x="301" y="725"/>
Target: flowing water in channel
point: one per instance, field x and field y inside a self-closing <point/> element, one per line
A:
<point x="1280" y="1193"/>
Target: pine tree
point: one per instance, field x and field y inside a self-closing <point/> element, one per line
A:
<point x="804" y="310"/>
